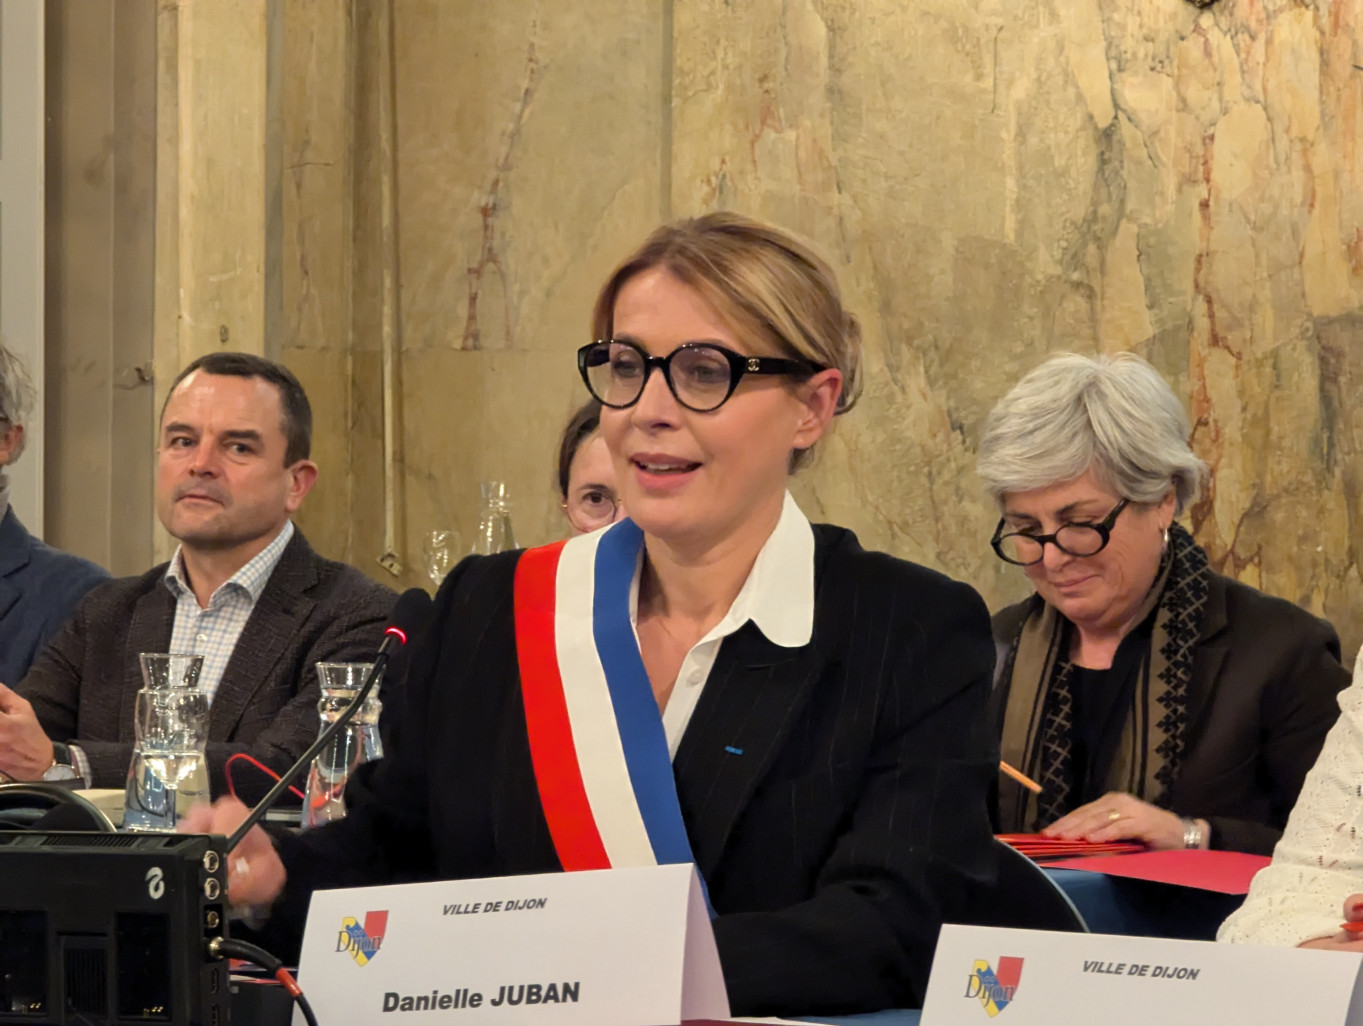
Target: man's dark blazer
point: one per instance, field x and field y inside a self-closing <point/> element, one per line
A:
<point x="39" y="588"/>
<point x="312" y="610"/>
<point x="834" y="794"/>
<point x="1262" y="697"/>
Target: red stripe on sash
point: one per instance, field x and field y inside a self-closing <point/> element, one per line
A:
<point x="557" y="774"/>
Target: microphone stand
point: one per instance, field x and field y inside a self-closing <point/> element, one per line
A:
<point x="305" y="760"/>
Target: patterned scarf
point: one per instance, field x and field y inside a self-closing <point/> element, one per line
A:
<point x="1038" y="717"/>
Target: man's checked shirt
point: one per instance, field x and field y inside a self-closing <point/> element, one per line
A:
<point x="213" y="632"/>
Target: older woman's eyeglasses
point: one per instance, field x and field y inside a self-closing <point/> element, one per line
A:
<point x="1022" y="548"/>
<point x="701" y="375"/>
<point x="591" y="508"/>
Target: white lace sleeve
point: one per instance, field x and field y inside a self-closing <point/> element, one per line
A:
<point x="1319" y="860"/>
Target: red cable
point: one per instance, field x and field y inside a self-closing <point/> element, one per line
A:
<point x="290" y="984"/>
<point x="231" y="787"/>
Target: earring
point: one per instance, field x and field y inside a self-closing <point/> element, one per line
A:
<point x="1166" y="537"/>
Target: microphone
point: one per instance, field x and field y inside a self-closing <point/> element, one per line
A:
<point x="407" y="615"/>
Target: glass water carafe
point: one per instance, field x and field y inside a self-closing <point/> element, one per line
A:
<point x="494" y="522"/>
<point x="167" y="773"/>
<point x="357" y="742"/>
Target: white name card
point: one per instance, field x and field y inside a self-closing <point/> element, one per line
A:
<point x="620" y="947"/>
<point x="1038" y="978"/>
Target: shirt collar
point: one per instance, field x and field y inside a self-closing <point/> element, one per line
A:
<point x="4" y="495"/>
<point x="778" y="595"/>
<point x="251" y="578"/>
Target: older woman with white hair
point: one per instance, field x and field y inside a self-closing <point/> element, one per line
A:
<point x="1153" y="699"/>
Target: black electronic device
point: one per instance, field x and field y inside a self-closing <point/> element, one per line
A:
<point x="112" y="929"/>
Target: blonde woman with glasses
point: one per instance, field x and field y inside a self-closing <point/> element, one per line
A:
<point x="800" y="718"/>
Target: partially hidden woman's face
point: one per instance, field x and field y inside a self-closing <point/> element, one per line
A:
<point x="697" y="478"/>
<point x="593" y="500"/>
<point x="11" y="435"/>
<point x="1104" y="591"/>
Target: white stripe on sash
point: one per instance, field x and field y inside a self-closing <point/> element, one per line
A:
<point x="596" y="735"/>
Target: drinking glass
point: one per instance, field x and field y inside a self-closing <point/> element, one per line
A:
<point x="170" y="669"/>
<point x="167" y="773"/>
<point x="437" y="553"/>
<point x="357" y="743"/>
<point x="494" y="522"/>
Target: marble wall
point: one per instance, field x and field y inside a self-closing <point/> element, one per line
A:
<point x="1001" y="182"/>
<point x="503" y="157"/>
<point x="992" y="181"/>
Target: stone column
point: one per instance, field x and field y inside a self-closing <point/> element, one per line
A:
<point x="321" y="129"/>
<point x="261" y="137"/>
<point x="100" y="175"/>
<point x="218" y="220"/>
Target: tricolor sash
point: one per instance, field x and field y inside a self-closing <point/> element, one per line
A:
<point x="596" y="736"/>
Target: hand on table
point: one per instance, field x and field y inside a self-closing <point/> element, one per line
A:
<point x="1345" y="940"/>
<point x="1121" y="817"/>
<point x="25" y="750"/>
<point x="255" y="875"/>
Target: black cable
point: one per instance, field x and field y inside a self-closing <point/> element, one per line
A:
<point x="226" y="946"/>
<point x="304" y="1007"/>
<point x="305" y="760"/>
<point x="409" y="611"/>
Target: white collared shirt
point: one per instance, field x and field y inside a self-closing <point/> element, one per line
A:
<point x="778" y="596"/>
<point x="213" y="631"/>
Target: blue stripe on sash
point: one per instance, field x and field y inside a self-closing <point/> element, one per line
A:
<point x="636" y="709"/>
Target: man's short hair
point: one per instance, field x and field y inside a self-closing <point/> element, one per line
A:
<point x="293" y="401"/>
<point x="16" y="394"/>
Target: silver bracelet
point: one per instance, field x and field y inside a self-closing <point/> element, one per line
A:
<point x="1192" y="833"/>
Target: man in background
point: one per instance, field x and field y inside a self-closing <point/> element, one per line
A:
<point x="243" y="589"/>
<point x="39" y="586"/>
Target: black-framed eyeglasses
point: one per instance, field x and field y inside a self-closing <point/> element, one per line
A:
<point x="701" y="375"/>
<point x="1022" y="548"/>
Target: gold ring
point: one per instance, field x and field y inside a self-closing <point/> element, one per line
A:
<point x="1113" y="815"/>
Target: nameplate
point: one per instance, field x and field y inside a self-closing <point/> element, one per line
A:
<point x="1039" y="978"/>
<point x="616" y="947"/>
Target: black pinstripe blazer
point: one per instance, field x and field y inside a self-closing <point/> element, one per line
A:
<point x="84" y="684"/>
<point x="853" y="821"/>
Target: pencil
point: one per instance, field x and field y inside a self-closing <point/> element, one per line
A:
<point x="1021" y="778"/>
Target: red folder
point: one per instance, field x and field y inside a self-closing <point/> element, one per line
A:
<point x="1228" y="872"/>
<point x="1041" y="848"/>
